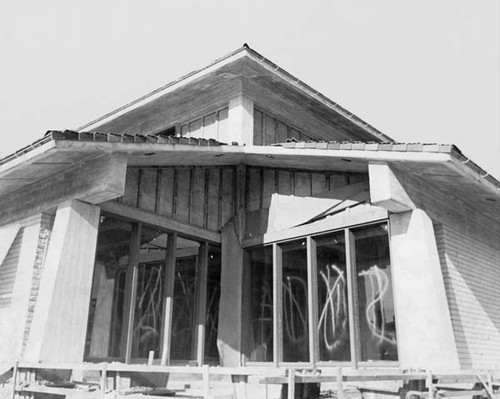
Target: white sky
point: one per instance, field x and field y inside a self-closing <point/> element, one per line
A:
<point x="420" y="70"/>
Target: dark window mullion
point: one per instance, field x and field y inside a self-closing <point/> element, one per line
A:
<point x="352" y="297"/>
<point x="131" y="288"/>
<point x="278" y="305"/>
<point x="312" y="301"/>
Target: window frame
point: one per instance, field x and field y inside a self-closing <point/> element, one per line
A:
<point x="312" y="301"/>
<point x="131" y="278"/>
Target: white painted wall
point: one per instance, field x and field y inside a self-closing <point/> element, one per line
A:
<point x="423" y="322"/>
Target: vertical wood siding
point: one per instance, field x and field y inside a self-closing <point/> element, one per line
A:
<point x="211" y="126"/>
<point x="8" y="270"/>
<point x="268" y="130"/>
<point x="262" y="183"/>
<point x="201" y="196"/>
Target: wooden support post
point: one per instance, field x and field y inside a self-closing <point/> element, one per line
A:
<point x="206" y="380"/>
<point x="291" y="384"/>
<point x="131" y="290"/>
<point x="14" y="380"/>
<point x="202" y="301"/>
<point x="277" y="301"/>
<point x="104" y="379"/>
<point x="340" y="384"/>
<point x="169" y="297"/>
<point x="430" y="386"/>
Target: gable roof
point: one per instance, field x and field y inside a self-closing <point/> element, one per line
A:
<point x="243" y="63"/>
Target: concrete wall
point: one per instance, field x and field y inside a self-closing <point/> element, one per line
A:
<point x="469" y="251"/>
<point x="424" y="328"/>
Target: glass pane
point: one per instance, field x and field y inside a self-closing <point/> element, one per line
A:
<point x="333" y="312"/>
<point x="375" y="301"/>
<point x="260" y="285"/>
<point x="184" y="306"/>
<point x="106" y="334"/>
<point x="213" y="296"/>
<point x="149" y="313"/>
<point x="294" y="283"/>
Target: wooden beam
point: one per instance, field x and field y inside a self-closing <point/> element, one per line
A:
<point x="100" y="180"/>
<point x="131" y="290"/>
<point x="60" y="321"/>
<point x="169" y="224"/>
<point x="359" y="215"/>
<point x="386" y="189"/>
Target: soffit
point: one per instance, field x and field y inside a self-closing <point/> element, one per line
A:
<point x="442" y="166"/>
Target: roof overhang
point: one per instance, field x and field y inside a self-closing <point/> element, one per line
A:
<point x="445" y="167"/>
<point x="243" y="71"/>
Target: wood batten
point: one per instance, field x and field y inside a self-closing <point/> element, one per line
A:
<point x="60" y="319"/>
<point x="386" y="190"/>
<point x="229" y="338"/>
<point x="94" y="181"/>
<point x="241" y="120"/>
<point x="169" y="224"/>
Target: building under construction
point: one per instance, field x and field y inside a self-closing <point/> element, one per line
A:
<point x="236" y="225"/>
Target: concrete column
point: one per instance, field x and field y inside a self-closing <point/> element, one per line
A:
<point x="60" y="320"/>
<point x="241" y="120"/>
<point x="230" y="308"/>
<point x="423" y="322"/>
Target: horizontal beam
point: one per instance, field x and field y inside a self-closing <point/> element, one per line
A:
<point x="169" y="224"/>
<point x="95" y="181"/>
<point x="361" y="214"/>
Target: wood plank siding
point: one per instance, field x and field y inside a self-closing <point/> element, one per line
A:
<point x="211" y="126"/>
<point x="268" y="129"/>
<point x="199" y="196"/>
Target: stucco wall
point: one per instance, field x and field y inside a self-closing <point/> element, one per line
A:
<point x="469" y="250"/>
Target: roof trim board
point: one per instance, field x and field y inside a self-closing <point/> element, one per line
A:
<point x="244" y="51"/>
<point x="87" y="145"/>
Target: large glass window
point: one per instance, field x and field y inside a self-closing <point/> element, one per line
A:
<point x="377" y="326"/>
<point x="350" y="303"/>
<point x="260" y="286"/>
<point x="294" y="300"/>
<point x="142" y="275"/>
<point x="333" y="307"/>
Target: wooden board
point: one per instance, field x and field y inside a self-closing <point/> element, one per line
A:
<point x="213" y="199"/>
<point x="182" y="197"/>
<point x="165" y="198"/>
<point x="196" y="213"/>
<point x="147" y="189"/>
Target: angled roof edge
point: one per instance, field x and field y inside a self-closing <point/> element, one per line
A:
<point x="234" y="55"/>
<point x="371" y="152"/>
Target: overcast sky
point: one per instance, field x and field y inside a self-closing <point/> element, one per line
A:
<point x="420" y="71"/>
